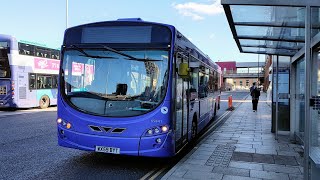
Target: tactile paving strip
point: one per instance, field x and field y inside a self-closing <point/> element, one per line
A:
<point x="221" y="156"/>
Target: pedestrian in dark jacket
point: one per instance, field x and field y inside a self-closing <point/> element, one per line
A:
<point x="255" y="93"/>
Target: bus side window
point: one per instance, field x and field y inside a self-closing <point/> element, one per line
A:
<point x="211" y="81"/>
<point x="39" y="82"/>
<point x="216" y="81"/>
<point x="48" y="82"/>
<point x="54" y="81"/>
<point x="32" y="81"/>
<point x="203" y="82"/>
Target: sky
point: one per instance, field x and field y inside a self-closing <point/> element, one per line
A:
<point x="201" y="21"/>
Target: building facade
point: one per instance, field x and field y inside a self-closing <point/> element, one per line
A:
<point x="241" y="75"/>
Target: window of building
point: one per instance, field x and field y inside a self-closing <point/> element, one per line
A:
<point x="240" y="83"/>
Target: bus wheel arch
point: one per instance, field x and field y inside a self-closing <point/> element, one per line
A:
<point x="44" y="102"/>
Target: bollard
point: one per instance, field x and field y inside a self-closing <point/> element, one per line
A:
<point x="230" y="101"/>
<point x="230" y="107"/>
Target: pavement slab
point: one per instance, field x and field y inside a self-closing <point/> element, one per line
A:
<point x="243" y="148"/>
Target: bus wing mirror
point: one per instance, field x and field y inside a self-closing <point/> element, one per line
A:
<point x="183" y="69"/>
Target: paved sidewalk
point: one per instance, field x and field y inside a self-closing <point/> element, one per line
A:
<point x="242" y="148"/>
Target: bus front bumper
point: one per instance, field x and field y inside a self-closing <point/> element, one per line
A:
<point x="144" y="146"/>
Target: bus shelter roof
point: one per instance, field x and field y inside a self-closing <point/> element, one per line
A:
<point x="274" y="27"/>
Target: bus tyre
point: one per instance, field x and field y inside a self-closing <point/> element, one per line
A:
<point x="44" y="102"/>
<point x="194" y="130"/>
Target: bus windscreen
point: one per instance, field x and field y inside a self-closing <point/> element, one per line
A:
<point x="106" y="83"/>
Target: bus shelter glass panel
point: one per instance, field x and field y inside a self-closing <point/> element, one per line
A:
<point x="269" y="50"/>
<point x="271" y="44"/>
<point x="269" y="31"/>
<point x="315" y="21"/>
<point x="315" y="105"/>
<point x="300" y="94"/>
<point x="267" y="14"/>
<point x="283" y="93"/>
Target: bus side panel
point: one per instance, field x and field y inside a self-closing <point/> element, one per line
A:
<point x="22" y="95"/>
<point x="204" y="114"/>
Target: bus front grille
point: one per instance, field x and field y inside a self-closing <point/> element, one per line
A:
<point x="106" y="129"/>
<point x="95" y="128"/>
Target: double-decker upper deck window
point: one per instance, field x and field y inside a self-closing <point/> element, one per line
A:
<point x="32" y="50"/>
<point x="26" y="49"/>
<point x="42" y="52"/>
<point x="55" y="54"/>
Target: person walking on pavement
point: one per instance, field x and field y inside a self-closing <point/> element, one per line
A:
<point x="255" y="93"/>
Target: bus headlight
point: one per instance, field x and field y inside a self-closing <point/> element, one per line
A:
<point x="59" y="120"/>
<point x="64" y="123"/>
<point x="157" y="130"/>
<point x="150" y="132"/>
<point x="164" y="128"/>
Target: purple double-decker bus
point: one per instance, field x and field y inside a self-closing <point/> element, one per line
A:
<point x="28" y="74"/>
<point x="134" y="88"/>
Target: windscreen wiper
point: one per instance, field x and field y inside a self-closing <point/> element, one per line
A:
<point x="127" y="55"/>
<point x="85" y="94"/>
<point x="88" y="55"/>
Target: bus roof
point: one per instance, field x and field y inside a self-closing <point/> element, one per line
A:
<point x="206" y="59"/>
<point x="13" y="40"/>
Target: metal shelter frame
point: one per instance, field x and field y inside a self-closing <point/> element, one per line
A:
<point x="280" y="45"/>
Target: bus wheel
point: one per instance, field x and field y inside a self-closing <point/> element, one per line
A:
<point x="194" y="130"/>
<point x="44" y="102"/>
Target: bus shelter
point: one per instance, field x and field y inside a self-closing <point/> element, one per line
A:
<point x="289" y="32"/>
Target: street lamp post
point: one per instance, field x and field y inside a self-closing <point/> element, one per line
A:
<point x="67" y="13"/>
<point x="258" y="71"/>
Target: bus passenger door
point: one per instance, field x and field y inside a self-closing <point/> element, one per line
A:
<point x="181" y="105"/>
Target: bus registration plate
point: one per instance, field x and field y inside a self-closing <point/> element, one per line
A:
<point x="111" y="150"/>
